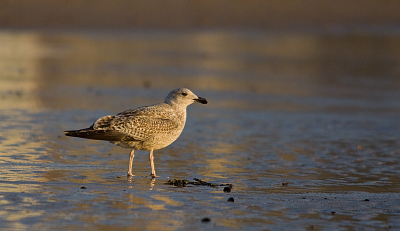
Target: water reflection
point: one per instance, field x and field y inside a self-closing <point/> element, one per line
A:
<point x="319" y="111"/>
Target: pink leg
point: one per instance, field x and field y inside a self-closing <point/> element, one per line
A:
<point x="153" y="170"/>
<point x="131" y="156"/>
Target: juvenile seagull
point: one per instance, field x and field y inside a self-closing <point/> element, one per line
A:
<point x="145" y="128"/>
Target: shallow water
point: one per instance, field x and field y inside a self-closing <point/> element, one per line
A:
<point x="319" y="110"/>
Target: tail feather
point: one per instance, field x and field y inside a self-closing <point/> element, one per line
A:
<point x="89" y="133"/>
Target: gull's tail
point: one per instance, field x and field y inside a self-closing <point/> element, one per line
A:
<point x="90" y="133"/>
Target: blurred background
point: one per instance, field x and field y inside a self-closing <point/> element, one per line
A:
<point x="178" y="14"/>
<point x="269" y="47"/>
<point x="301" y="91"/>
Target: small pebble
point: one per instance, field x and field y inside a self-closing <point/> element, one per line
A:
<point x="285" y="183"/>
<point x="230" y="199"/>
<point x="206" y="219"/>
<point x="333" y="212"/>
<point x="83" y="187"/>
<point x="227" y="189"/>
<point x="366" y="200"/>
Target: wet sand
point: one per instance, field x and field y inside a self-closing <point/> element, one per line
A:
<point x="317" y="110"/>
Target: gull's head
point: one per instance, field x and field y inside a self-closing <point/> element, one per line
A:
<point x="184" y="97"/>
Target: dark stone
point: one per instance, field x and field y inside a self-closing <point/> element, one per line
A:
<point x="206" y="219"/>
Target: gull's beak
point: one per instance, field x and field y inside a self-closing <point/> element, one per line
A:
<point x="201" y="100"/>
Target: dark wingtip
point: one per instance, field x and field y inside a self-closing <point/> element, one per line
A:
<point x="69" y="133"/>
<point x="76" y="133"/>
<point x="201" y="100"/>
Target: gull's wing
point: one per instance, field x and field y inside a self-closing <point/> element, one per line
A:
<point x="139" y="124"/>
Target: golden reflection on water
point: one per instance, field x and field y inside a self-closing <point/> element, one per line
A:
<point x="20" y="56"/>
<point x="167" y="200"/>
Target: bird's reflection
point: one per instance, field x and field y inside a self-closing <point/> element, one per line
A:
<point x="152" y="181"/>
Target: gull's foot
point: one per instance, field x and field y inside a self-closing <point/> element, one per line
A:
<point x="153" y="175"/>
<point x="129" y="174"/>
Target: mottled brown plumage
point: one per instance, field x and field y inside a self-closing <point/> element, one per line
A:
<point x="145" y="128"/>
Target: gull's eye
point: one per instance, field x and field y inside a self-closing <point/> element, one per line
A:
<point x="184" y="94"/>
